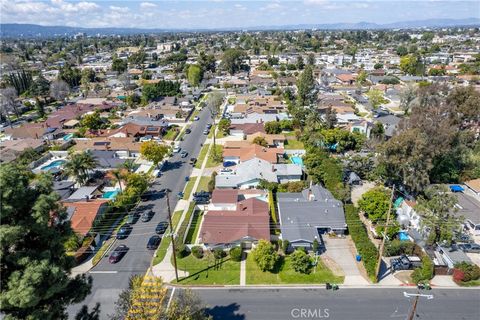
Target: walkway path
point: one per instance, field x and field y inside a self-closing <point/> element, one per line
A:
<point x="243" y="269"/>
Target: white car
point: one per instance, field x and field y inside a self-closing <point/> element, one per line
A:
<point x="196" y="118"/>
<point x="176" y="149"/>
<point x="225" y="172"/>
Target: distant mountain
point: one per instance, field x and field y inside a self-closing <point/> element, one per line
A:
<point x="13" y="30"/>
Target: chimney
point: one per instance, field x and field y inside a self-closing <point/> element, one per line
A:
<point x="87" y="198"/>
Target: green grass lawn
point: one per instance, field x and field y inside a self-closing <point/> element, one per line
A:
<point x="188" y="188"/>
<point x="294" y="144"/>
<point x="171" y="133"/>
<point x="203" y="184"/>
<point x="162" y="249"/>
<point x="203" y="271"/>
<point x="212" y="130"/>
<point x="194" y="227"/>
<point x="211" y="161"/>
<point x="183" y="227"/>
<point x="201" y="156"/>
<point x="284" y="274"/>
<point x="472" y="283"/>
<point x="220" y="134"/>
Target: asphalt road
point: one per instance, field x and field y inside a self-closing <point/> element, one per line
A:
<point x="110" y="279"/>
<point x="358" y="304"/>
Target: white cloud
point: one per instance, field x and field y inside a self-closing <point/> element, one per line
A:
<point x="119" y="9"/>
<point x="147" y="5"/>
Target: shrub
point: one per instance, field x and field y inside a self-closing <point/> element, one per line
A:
<point x="458" y="276"/>
<point x="425" y="272"/>
<point x="236" y="254"/>
<point x="359" y="235"/>
<point x="197" y="252"/>
<point x="285" y="246"/>
<point x="300" y="261"/>
<point x="315" y="245"/>
<point x="218" y="253"/>
<point x="397" y="247"/>
<point x="470" y="271"/>
<point x="182" y="251"/>
<point x="265" y="255"/>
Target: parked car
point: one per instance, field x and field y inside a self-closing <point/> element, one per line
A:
<point x="405" y="263"/>
<point x="187" y="178"/>
<point x="118" y="253"/>
<point x="153" y="242"/>
<point x="209" y="125"/>
<point x="187" y="131"/>
<point x="193" y="161"/>
<point x="196" y="118"/>
<point x="201" y="193"/>
<point x="180" y="195"/>
<point x="147" y="216"/>
<point x="133" y="217"/>
<point x="124" y="231"/>
<point x="183" y="154"/>
<point x="229" y="163"/>
<point x="161" y="227"/>
<point x="469" y="247"/>
<point x="226" y="171"/>
<point x="206" y="132"/>
<point x="176" y="149"/>
<point x="201" y="200"/>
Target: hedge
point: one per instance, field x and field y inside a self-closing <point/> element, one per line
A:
<point x="273" y="212"/>
<point x="365" y="247"/>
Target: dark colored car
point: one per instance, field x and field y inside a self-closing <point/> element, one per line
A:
<point x="124" y="231"/>
<point x="153" y="242"/>
<point x="201" y="193"/>
<point x="201" y="200"/>
<point x="147" y="216"/>
<point x="229" y="163"/>
<point x="118" y="253"/>
<point x="187" y="131"/>
<point x="209" y="125"/>
<point x="469" y="247"/>
<point x="193" y="161"/>
<point x="133" y="217"/>
<point x="161" y="227"/>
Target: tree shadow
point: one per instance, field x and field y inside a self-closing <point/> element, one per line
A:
<point x="172" y="165"/>
<point x="196" y="275"/>
<point x="225" y="312"/>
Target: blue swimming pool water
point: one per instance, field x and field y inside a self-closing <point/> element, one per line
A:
<point x="68" y="137"/>
<point x="296" y="160"/>
<point x="403" y="236"/>
<point x="53" y="164"/>
<point x="110" y="194"/>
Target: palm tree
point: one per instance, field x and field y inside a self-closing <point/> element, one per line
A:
<point x="129" y="165"/>
<point x="119" y="175"/>
<point x="79" y="164"/>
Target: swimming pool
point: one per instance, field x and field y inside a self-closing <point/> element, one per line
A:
<point x="403" y="236"/>
<point x="296" y="160"/>
<point x="68" y="137"/>
<point x="53" y="165"/>
<point x="110" y="194"/>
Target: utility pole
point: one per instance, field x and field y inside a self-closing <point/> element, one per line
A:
<point x="172" y="234"/>
<point x="415" y="302"/>
<point x="382" y="246"/>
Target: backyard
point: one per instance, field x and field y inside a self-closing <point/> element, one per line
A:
<point x="284" y="274"/>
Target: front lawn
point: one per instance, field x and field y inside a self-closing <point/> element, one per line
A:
<point x="171" y="133"/>
<point x="284" y="274"/>
<point x="162" y="249"/>
<point x="204" y="271"/>
<point x="294" y="144"/>
<point x="188" y="188"/>
<point x="203" y="184"/>
<point x="472" y="283"/>
<point x="192" y="234"/>
<point x="201" y="156"/>
<point x="212" y="161"/>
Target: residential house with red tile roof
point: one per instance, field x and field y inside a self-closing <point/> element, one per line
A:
<point x="82" y="214"/>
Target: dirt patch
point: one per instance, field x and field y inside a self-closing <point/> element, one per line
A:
<point x="404" y="276"/>
<point x="358" y="191"/>
<point x="332" y="265"/>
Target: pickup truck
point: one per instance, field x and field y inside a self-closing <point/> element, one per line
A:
<point x="405" y="263"/>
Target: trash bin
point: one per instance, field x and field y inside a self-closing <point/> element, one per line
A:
<point x="358" y="257"/>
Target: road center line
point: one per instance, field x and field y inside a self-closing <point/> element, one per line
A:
<point x="113" y="271"/>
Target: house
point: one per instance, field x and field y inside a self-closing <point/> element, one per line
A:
<point x="107" y="159"/>
<point x="451" y="256"/>
<point x="64" y="188"/>
<point x="243" y="129"/>
<point x="123" y="147"/>
<point x="469" y="209"/>
<point x="85" y="193"/>
<point x="474" y="186"/>
<point x="390" y="124"/>
<point x="248" y="174"/>
<point x="233" y="220"/>
<point x="243" y="154"/>
<point x="305" y="216"/>
<point x="346" y="78"/>
<point x="82" y="214"/>
<point x="273" y="140"/>
<point x="21" y="144"/>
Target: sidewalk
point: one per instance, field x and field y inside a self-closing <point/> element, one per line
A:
<point x="243" y="269"/>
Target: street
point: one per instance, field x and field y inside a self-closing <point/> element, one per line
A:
<point x="110" y="279"/>
<point x="368" y="304"/>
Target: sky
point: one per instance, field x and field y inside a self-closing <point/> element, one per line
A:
<point x="227" y="13"/>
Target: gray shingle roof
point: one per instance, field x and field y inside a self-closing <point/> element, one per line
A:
<point x="302" y="213"/>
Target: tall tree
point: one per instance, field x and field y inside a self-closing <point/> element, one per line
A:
<point x="36" y="281"/>
<point x="306" y="86"/>
<point x="232" y="60"/>
<point x="59" y="90"/>
<point x="79" y="164"/>
<point x="214" y="102"/>
<point x="153" y="151"/>
<point x="375" y="97"/>
<point x="194" y="75"/>
<point x="8" y="96"/>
